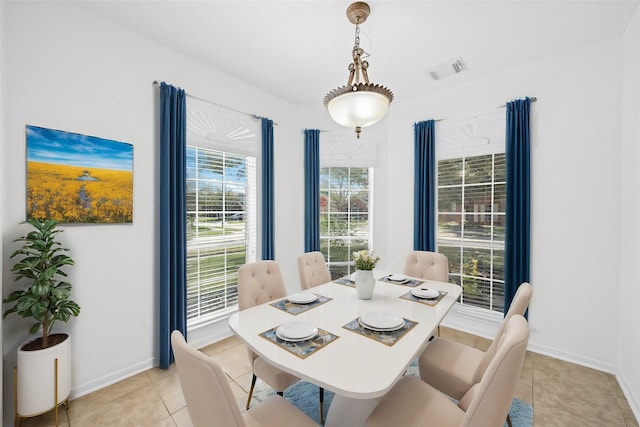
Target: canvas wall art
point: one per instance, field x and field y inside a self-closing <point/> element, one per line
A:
<point x="75" y="178"/>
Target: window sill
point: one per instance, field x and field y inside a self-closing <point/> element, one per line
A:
<point x="474" y="320"/>
<point x="204" y="332"/>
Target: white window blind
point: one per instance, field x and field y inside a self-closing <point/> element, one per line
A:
<point x="471" y="198"/>
<point x="221" y="207"/>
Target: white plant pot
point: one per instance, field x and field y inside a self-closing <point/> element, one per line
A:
<point x="36" y="380"/>
<point x="365" y="283"/>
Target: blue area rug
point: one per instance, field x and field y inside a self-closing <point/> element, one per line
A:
<point x="305" y="396"/>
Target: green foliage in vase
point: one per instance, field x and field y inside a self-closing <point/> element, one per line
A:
<point x="365" y="260"/>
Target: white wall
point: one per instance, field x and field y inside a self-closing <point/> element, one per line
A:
<point x="629" y="370"/>
<point x="575" y="191"/>
<point x="66" y="69"/>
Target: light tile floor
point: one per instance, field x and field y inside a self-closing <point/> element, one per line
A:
<point x="562" y="394"/>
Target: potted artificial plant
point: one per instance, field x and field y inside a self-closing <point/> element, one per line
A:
<point x="44" y="363"/>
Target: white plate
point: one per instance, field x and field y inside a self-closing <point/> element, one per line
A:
<point x="425" y="293"/>
<point x="382" y="320"/>
<point x="395" y="328"/>
<point x="398" y="278"/>
<point x="283" y="338"/>
<point x="296" y="331"/>
<point x="302" y="298"/>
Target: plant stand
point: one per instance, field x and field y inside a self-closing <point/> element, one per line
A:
<point x="42" y="378"/>
<point x="17" y="418"/>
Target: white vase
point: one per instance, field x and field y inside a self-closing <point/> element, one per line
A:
<point x="37" y="378"/>
<point x="365" y="283"/>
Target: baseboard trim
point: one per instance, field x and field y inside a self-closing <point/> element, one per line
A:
<point x="487" y="325"/>
<point x="199" y="337"/>
<point x="572" y="358"/>
<point x="633" y="400"/>
<point x="112" y="378"/>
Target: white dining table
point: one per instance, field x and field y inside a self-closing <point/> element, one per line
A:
<point x="358" y="369"/>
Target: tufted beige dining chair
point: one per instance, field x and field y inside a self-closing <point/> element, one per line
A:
<point x="453" y="368"/>
<point x="412" y="402"/>
<point x="427" y="265"/>
<point x="261" y="282"/>
<point x="211" y="402"/>
<point x="313" y="270"/>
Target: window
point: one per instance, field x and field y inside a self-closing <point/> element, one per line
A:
<point x="345" y="218"/>
<point x="471" y="226"/>
<point x="218" y="186"/>
<point x="221" y="208"/>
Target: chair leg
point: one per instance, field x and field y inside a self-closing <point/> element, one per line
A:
<point x="509" y="421"/>
<point x="321" y="405"/>
<point x="253" y="384"/>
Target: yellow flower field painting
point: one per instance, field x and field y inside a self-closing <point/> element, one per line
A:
<point x="75" y="178"/>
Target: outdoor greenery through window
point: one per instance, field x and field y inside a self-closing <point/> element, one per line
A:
<point x="471" y="226"/>
<point x="220" y="192"/>
<point x="345" y="221"/>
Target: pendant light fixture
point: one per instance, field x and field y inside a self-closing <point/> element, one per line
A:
<point x="359" y="103"/>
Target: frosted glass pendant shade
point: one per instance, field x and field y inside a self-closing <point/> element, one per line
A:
<point x="358" y="109"/>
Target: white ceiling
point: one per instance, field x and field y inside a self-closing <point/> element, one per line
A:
<point x="299" y="50"/>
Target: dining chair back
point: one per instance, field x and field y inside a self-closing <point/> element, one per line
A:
<point x="518" y="306"/>
<point x="211" y="402"/>
<point x="205" y="387"/>
<point x="487" y="403"/>
<point x="259" y="282"/>
<point x="412" y="402"/>
<point x="452" y="367"/>
<point x="427" y="265"/>
<point x="313" y="270"/>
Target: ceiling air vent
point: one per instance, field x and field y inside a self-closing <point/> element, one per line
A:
<point x="447" y="69"/>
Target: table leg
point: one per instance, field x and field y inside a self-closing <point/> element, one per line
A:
<point x="349" y="412"/>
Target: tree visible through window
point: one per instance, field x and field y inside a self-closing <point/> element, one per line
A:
<point x="220" y="187"/>
<point x="345" y="221"/>
<point x="471" y="226"/>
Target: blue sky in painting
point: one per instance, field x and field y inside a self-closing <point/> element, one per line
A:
<point x="55" y="146"/>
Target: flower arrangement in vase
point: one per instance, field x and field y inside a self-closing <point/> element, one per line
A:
<point x="365" y="261"/>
